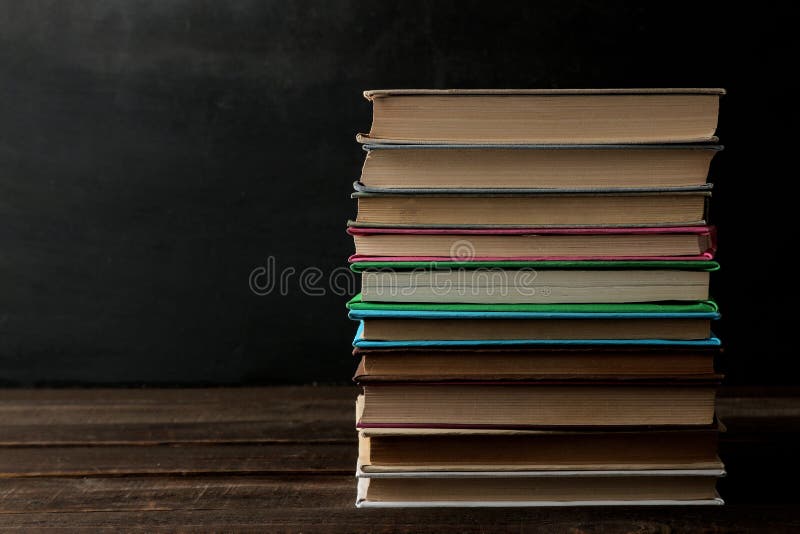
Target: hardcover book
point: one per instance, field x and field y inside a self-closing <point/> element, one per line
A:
<point x="442" y="244"/>
<point x="387" y="450"/>
<point x="543" y="403"/>
<point x="552" y="286"/>
<point x="483" y="168"/>
<point x="524" y="363"/>
<point x="558" y="489"/>
<point x="607" y="209"/>
<point x="543" y="116"/>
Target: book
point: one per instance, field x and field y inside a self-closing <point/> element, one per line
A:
<point x="511" y="404"/>
<point x="599" y="489"/>
<point x="532" y="167"/>
<point x="437" y="244"/>
<point x="499" y="285"/>
<point x="425" y="364"/>
<point x="700" y="309"/>
<point x="665" y="208"/>
<point x="360" y="342"/>
<point x="544" y="116"/>
<point x="411" y="264"/>
<point x="390" y="329"/>
<point x="534" y="322"/>
<point x="388" y="451"/>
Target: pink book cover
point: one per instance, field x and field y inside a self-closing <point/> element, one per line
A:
<point x="709" y="231"/>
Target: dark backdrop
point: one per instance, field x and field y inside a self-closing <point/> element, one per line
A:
<point x="152" y="154"/>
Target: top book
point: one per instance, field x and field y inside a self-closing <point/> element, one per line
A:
<point x="543" y="116"/>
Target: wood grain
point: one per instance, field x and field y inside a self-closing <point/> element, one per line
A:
<point x="165" y="416"/>
<point x="325" y="504"/>
<point x="241" y="415"/>
<point x="265" y="458"/>
<point x="281" y="460"/>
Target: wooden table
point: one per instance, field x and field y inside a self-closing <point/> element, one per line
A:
<point x="281" y="459"/>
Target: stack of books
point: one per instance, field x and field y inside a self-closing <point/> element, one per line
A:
<point x="534" y="316"/>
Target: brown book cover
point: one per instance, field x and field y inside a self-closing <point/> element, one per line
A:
<point x="525" y="404"/>
<point x="546" y="116"/>
<point x="531" y="363"/>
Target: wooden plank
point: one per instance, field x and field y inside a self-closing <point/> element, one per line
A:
<point x="246" y="415"/>
<point x="155" y="416"/>
<point x="266" y="458"/>
<point x="759" y="391"/>
<point x="173" y="493"/>
<point x="322" y="431"/>
<point x="333" y="521"/>
<point x="758" y="416"/>
<point x="746" y="460"/>
<point x="280" y="459"/>
<point x="316" y="504"/>
<point x="763" y="407"/>
<point x="764" y="451"/>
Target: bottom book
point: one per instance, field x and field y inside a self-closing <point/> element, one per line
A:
<point x="553" y="488"/>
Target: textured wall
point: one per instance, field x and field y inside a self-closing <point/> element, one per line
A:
<point x="152" y="154"/>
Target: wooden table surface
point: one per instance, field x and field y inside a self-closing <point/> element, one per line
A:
<point x="281" y="459"/>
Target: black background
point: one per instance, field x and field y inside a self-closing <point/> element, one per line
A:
<point x="152" y="154"/>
